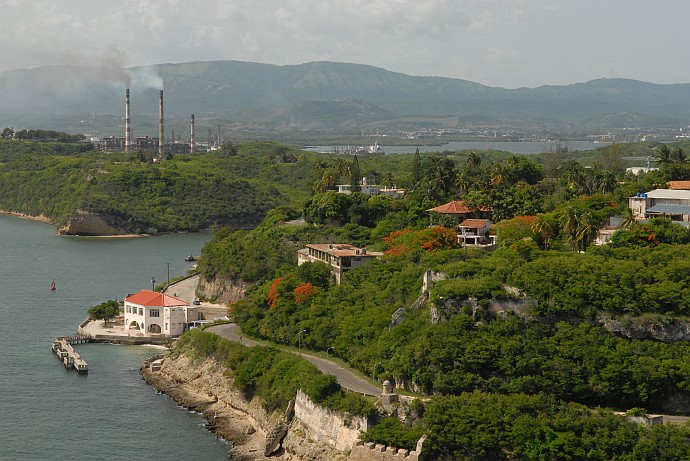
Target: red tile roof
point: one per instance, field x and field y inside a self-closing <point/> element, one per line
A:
<point x="679" y="185"/>
<point x="150" y="298"/>
<point x="474" y="223"/>
<point x="343" y="249"/>
<point x="454" y="207"/>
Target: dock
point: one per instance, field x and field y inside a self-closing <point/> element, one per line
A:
<point x="62" y="347"/>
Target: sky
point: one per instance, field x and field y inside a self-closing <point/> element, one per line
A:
<point x="501" y="43"/>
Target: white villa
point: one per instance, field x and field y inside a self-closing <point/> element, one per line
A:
<point x="371" y="189"/>
<point x="341" y="257"/>
<point x="475" y="232"/>
<point x="153" y="313"/>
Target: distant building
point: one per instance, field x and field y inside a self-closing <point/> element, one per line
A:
<point x="340" y="256"/>
<point x="475" y="232"/>
<point x="667" y="203"/>
<point x="152" y="313"/>
<point x="637" y="170"/>
<point x="371" y="189"/>
<point x="458" y="211"/>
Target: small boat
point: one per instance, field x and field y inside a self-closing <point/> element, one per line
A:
<point x="190" y="258"/>
<point x="52" y="285"/>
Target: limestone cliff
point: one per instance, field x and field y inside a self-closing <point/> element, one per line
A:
<point x="89" y="224"/>
<point x="222" y="291"/>
<point x="205" y="387"/>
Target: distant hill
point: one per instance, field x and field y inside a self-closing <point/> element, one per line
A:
<point x="317" y="95"/>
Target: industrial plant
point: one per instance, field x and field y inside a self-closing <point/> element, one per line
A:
<point x="185" y="145"/>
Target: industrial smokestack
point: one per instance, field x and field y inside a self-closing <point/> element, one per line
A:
<point x="161" y="132"/>
<point x="192" y="144"/>
<point x="128" y="127"/>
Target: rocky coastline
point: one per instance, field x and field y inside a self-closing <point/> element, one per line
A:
<point x="40" y="218"/>
<point x="205" y="387"/>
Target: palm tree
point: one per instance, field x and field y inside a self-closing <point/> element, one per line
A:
<point x="543" y="229"/>
<point x="498" y="175"/>
<point x="568" y="222"/>
<point x="679" y="156"/>
<point x="587" y="230"/>
<point x="327" y="181"/>
<point x="663" y="153"/>
<point x="462" y="182"/>
<point x="473" y="161"/>
<point x="607" y="181"/>
<point x="627" y="219"/>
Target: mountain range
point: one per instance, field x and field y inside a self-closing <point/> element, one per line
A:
<point x="320" y="96"/>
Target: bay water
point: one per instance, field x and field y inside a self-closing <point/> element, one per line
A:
<point x="522" y="148"/>
<point x="48" y="412"/>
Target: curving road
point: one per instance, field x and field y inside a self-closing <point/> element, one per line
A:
<point x="345" y="377"/>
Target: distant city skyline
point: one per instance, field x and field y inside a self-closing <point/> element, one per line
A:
<point x="501" y="43"/>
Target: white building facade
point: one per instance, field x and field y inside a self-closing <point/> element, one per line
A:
<point x="668" y="203"/>
<point x="340" y="256"/>
<point x="152" y="313"/>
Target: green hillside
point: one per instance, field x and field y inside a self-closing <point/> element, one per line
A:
<point x="184" y="193"/>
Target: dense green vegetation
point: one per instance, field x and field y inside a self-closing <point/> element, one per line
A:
<point x="503" y="387"/>
<point x="479" y="426"/>
<point x="231" y="187"/>
<point x="273" y="375"/>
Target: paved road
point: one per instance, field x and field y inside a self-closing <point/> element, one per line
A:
<point x="345" y="377"/>
<point x="186" y="291"/>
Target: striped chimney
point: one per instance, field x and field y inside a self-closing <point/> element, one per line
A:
<point x="128" y="127"/>
<point x="161" y="132"/>
<point x="192" y="143"/>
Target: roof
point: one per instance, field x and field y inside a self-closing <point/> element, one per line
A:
<point x="474" y="223"/>
<point x="454" y="207"/>
<point x="679" y="185"/>
<point x="148" y="298"/>
<point x="344" y="249"/>
<point x="676" y="194"/>
<point x="669" y="209"/>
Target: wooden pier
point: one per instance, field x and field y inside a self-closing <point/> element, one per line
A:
<point x="70" y="358"/>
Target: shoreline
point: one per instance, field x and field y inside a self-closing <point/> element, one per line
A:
<point x="229" y="417"/>
<point x="46" y="220"/>
<point x="40" y="218"/>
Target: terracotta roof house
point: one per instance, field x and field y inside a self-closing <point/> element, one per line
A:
<point x="458" y="210"/>
<point x="342" y="257"/>
<point x="475" y="232"/>
<point x="152" y="313"/>
<point x="456" y="207"/>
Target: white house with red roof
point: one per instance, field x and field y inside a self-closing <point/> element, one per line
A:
<point x="475" y="232"/>
<point x="153" y="313"/>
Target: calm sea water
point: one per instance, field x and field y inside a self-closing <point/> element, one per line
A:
<point x="523" y="148"/>
<point x="50" y="413"/>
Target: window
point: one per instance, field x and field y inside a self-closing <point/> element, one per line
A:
<point x="141" y="311"/>
<point x="129" y="309"/>
<point x="154" y="313"/>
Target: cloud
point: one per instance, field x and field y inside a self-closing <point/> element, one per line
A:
<point x="469" y="39"/>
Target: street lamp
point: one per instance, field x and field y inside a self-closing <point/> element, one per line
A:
<point x="153" y="284"/>
<point x="328" y="349"/>
<point x="168" y="264"/>
<point x="299" y="341"/>
<point x="373" y="373"/>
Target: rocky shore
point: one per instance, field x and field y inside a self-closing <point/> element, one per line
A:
<point x="204" y="386"/>
<point x="39" y="218"/>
